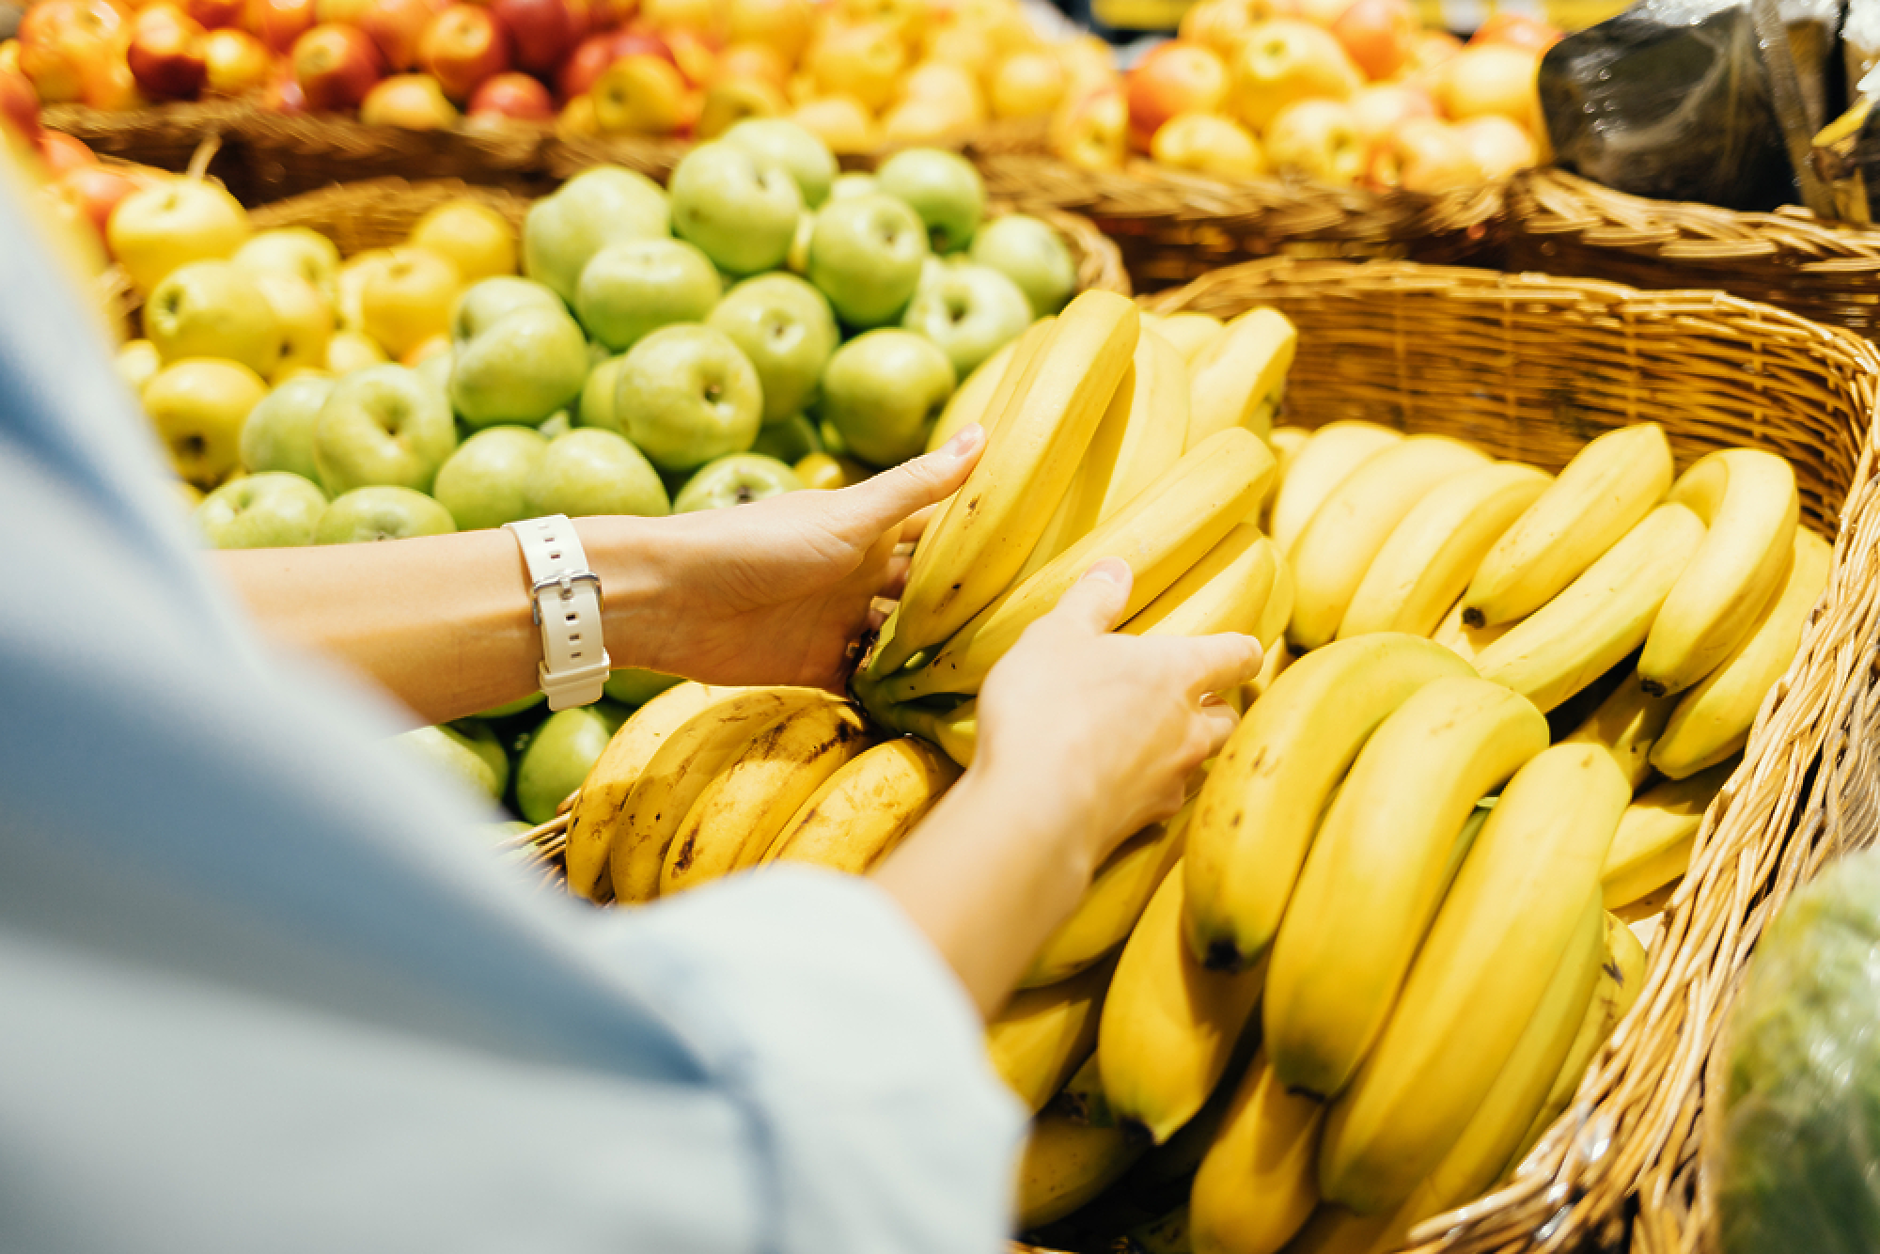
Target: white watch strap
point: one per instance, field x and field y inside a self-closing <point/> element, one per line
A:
<point x="567" y="606"/>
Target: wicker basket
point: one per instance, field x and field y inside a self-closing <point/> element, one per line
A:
<point x="1531" y="367"/>
<point x="1826" y="271"/>
<point x="1174" y="227"/>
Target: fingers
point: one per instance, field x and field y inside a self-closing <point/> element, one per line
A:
<point x="1218" y="720"/>
<point x="1212" y="663"/>
<point x="1096" y="602"/>
<point x="915" y="526"/>
<point x="888" y="499"/>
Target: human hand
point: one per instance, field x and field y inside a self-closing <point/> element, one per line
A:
<point x="776" y="591"/>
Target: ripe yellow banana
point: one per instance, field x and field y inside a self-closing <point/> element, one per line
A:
<point x="1426" y="563"/>
<point x="1235" y="380"/>
<point x="1464" y="641"/>
<point x="1627" y="723"/>
<point x="1160" y="534"/>
<point x="1378" y="869"/>
<point x="1653" y="845"/>
<point x="1111" y="906"/>
<point x="1746" y="499"/>
<point x="595" y="821"/>
<point x="1335" y="1230"/>
<point x="986" y="531"/>
<point x="1271" y="629"/>
<point x="866" y="808"/>
<point x="1478" y="980"/>
<point x="1256" y="815"/>
<point x="1286" y="442"/>
<point x="1711" y="720"/>
<point x="954" y="727"/>
<point x="684" y="765"/>
<point x="1332" y="554"/>
<point x="1227" y="590"/>
<point x="740" y="813"/>
<point x="1069" y="1160"/>
<point x="1139" y="437"/>
<point x="1597" y="498"/>
<point x="1189" y="332"/>
<point x="1169" y="1026"/>
<point x="978" y="398"/>
<point x="1327" y="460"/>
<point x="1259" y="1181"/>
<point x="1600" y="617"/>
<point x="1043" y="1035"/>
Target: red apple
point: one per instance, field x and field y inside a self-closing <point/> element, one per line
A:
<point x="1093" y="133"/>
<point x="283" y="94"/>
<point x="96" y="190"/>
<point x="1378" y="34"/>
<point x="60" y="40"/>
<point x="19" y="106"/>
<point x="63" y="154"/>
<point x="1175" y="77"/>
<point x="1379" y="107"/>
<point x="166" y="53"/>
<point x="462" y="46"/>
<point x="595" y="53"/>
<point x="412" y="101"/>
<point x="214" y="14"/>
<point x="278" y="23"/>
<point x="335" y="66"/>
<point x="512" y="95"/>
<point x="761" y="63"/>
<point x="1519" y="29"/>
<point x="1423" y="155"/>
<point x="396" y="26"/>
<point x="542" y="32"/>
<point x="238" y="63"/>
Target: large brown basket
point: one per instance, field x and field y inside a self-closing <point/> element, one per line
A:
<point x="1531" y="367"/>
<point x="1827" y="271"/>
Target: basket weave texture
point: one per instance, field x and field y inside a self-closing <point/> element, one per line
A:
<point x="1826" y="271"/>
<point x="1531" y="367"/>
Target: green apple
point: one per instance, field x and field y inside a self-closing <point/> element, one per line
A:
<point x="519" y="369"/>
<point x="214" y="309"/>
<point x="509" y="709"/>
<point x="1031" y="254"/>
<point x="597" y="207"/>
<point x="560" y="755"/>
<point x="787" y="330"/>
<point x="847" y="186"/>
<point x="632" y="686"/>
<point x="592" y="471"/>
<point x="971" y="312"/>
<point x="791" y="440"/>
<point x="279" y="432"/>
<point x="483" y="303"/>
<point x="557" y="423"/>
<point x="381" y="513"/>
<point x="784" y="143"/>
<point x="798" y="260"/>
<point x="596" y="406"/>
<point x="741" y="210"/>
<point x="467" y="751"/>
<point x="883" y="390"/>
<point x="435" y="370"/>
<point x="271" y="510"/>
<point x="296" y="250"/>
<point x="942" y="187"/>
<point x="382" y="425"/>
<point x="865" y="255"/>
<point x="736" y="480"/>
<point x="636" y="287"/>
<point x="687" y="395"/>
<point x="482" y="483"/>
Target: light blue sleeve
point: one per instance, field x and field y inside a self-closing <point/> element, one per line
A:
<point x="262" y="988"/>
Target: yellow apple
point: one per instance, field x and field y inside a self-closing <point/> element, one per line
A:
<point x="784" y="25"/>
<point x="479" y="241"/>
<point x="348" y="351"/>
<point x="198" y="406"/>
<point x="172" y="222"/>
<point x="843" y="123"/>
<point x="1283" y="61"/>
<point x="1498" y="146"/>
<point x="408" y="299"/>
<point x="1318" y="139"/>
<point x="640" y="94"/>
<point x="1089" y="66"/>
<point x="1027" y="85"/>
<point x="412" y="102"/>
<point x="137" y="363"/>
<point x="729" y="102"/>
<point x="1093" y="134"/>
<point x="293" y="250"/>
<point x="969" y="47"/>
<point x="1207" y="144"/>
<point x="424" y="350"/>
<point x="1379" y="107"/>
<point x="578" y="119"/>
<point x="864" y="61"/>
<point x="948" y="83"/>
<point x="921" y="122"/>
<point x="1176" y="77"/>
<point x="702" y="16"/>
<point x="1492" y="78"/>
<point x="1423" y="155"/>
<point x="306" y="321"/>
<point x="351" y="281"/>
<point x="909" y="20"/>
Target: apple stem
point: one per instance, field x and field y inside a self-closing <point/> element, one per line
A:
<point x="200" y="159"/>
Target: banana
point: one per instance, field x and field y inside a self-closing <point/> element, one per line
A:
<point x="1175" y="1161"/>
<point x="1747" y="500"/>
<point x="1118" y="894"/>
<point x="1600" y="617"/>
<point x="1257" y="813"/>
<point x="978" y="398"/>
<point x="1464" y="641"/>
<point x="1595" y="500"/>
<point x="1168" y="1026"/>
<point x="1227" y="590"/>
<point x="955" y="728"/>
<point x="684" y="765"/>
<point x="1259" y="1182"/>
<point x="1627" y="723"/>
<point x="1378" y="869"/>
<point x="1653" y="845"/>
<point x="596" y="818"/>
<point x="1236" y="378"/>
<point x="1140" y="437"/>
<point x="1479" y="978"/>
<point x="1189" y="332"/>
<point x="1426" y="563"/>
<point x="1043" y="1035"/>
<point x="1327" y="460"/>
<point x="1165" y="1234"/>
<point x="866" y="808"/>
<point x="1068" y="1160"/>
<point x="739" y="814"/>
<point x="1271" y="629"/>
<point x="1164" y="531"/>
<point x="1335" y="1230"/>
<point x="1621" y="979"/>
<point x="1711" y="720"/>
<point x="1285" y="443"/>
<point x="1331" y="555"/>
<point x="983" y="535"/>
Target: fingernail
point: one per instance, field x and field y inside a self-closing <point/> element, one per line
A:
<point x="1114" y="569"/>
<point x="965" y="440"/>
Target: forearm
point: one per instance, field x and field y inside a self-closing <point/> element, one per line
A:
<point x="441" y="622"/>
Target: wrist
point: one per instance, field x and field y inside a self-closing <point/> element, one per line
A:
<point x="1009" y="808"/>
<point x="636" y="587"/>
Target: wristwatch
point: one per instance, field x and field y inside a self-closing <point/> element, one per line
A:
<point x="565" y="599"/>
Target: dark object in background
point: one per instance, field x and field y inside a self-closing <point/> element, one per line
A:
<point x="10" y="15"/>
<point x="1672" y="100"/>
